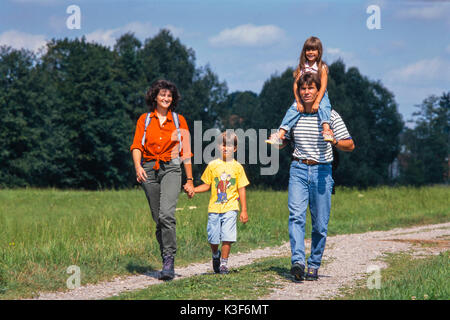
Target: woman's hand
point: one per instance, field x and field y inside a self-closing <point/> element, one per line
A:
<point x="189" y="188"/>
<point x="141" y="175"/>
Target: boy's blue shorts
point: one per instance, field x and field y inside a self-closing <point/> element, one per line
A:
<point x="222" y="227"/>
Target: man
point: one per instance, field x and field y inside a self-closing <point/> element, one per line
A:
<point x="310" y="180"/>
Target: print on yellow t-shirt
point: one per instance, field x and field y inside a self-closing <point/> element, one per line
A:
<point x="225" y="178"/>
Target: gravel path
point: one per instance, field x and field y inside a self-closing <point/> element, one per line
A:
<point x="348" y="257"/>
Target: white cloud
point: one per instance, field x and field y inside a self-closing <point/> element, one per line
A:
<point x="332" y="54"/>
<point x="248" y="35"/>
<point x="19" y="40"/>
<point x="45" y="2"/>
<point x="141" y="30"/>
<point x="436" y="69"/>
<point x="279" y="66"/>
<point x="436" y="11"/>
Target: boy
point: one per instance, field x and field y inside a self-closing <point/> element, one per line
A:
<point x="227" y="180"/>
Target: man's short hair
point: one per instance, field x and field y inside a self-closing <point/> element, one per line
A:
<point x="309" y="78"/>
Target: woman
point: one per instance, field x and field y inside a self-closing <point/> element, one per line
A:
<point x="161" y="142"/>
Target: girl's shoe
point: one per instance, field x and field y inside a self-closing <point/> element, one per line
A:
<point x="274" y="139"/>
<point x="327" y="137"/>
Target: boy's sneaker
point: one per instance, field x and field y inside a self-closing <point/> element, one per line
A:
<point x="167" y="272"/>
<point x="312" y="274"/>
<point x="216" y="262"/>
<point x="298" y="271"/>
<point x="224" y="269"/>
<point x="274" y="139"/>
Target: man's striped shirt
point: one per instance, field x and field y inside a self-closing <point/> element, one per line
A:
<point x="307" y="137"/>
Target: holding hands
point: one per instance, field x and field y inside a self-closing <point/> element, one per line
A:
<point x="189" y="188"/>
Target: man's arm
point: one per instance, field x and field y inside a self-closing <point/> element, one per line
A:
<point x="344" y="144"/>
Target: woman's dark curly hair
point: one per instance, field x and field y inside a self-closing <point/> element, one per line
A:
<point x="150" y="96"/>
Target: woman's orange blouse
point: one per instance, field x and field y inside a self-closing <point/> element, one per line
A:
<point x="161" y="141"/>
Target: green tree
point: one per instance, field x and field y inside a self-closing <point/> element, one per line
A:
<point x="28" y="115"/>
<point x="16" y="127"/>
<point x="372" y="118"/>
<point x="425" y="158"/>
<point x="93" y="114"/>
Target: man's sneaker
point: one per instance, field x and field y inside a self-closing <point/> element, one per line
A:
<point x="274" y="139"/>
<point x="167" y="272"/>
<point x="312" y="274"/>
<point x="216" y="262"/>
<point x="224" y="269"/>
<point x="298" y="271"/>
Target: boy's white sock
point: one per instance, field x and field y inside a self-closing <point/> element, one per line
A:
<point x="223" y="262"/>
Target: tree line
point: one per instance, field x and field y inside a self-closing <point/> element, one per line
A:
<point x="67" y="116"/>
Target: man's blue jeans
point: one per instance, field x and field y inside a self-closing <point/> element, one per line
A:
<point x="309" y="185"/>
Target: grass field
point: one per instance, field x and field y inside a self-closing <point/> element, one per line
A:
<point x="407" y="278"/>
<point x="109" y="233"/>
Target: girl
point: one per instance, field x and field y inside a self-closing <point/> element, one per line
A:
<point x="310" y="61"/>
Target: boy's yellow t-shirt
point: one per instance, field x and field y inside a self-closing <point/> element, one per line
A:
<point x="225" y="178"/>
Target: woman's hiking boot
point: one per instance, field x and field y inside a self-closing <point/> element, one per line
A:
<point x="168" y="271"/>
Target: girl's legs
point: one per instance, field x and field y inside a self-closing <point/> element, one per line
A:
<point x="324" y="116"/>
<point x="290" y="118"/>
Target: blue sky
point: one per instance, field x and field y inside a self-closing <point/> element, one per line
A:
<point x="247" y="41"/>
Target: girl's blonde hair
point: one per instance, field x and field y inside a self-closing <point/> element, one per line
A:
<point x="312" y="43"/>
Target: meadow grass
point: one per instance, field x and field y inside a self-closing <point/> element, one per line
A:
<point x="109" y="233"/>
<point x="408" y="278"/>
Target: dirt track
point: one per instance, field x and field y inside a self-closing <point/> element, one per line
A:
<point x="347" y="257"/>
